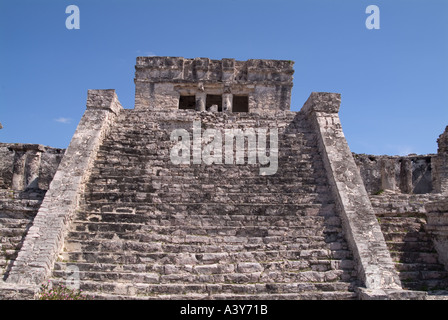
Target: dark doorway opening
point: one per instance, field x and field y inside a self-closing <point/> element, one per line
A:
<point x="213" y="99"/>
<point x="240" y="104"/>
<point x="187" y="102"/>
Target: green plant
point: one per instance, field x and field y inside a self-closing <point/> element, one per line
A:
<point x="379" y="192"/>
<point x="59" y="292"/>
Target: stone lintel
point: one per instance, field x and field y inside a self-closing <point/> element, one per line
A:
<point x="24" y="147"/>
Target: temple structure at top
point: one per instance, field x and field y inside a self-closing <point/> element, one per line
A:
<point x="202" y="84"/>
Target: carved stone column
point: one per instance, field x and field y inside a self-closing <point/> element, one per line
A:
<point x="200" y="101"/>
<point x="406" y="176"/>
<point x="26" y="166"/>
<point x="388" y="181"/>
<point x="18" y="170"/>
<point x="227" y="102"/>
<point x="32" y="168"/>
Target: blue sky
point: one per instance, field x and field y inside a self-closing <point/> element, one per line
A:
<point x="393" y="81"/>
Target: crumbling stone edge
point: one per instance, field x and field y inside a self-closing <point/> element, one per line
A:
<point x="45" y="238"/>
<point x="437" y="226"/>
<point x="374" y="264"/>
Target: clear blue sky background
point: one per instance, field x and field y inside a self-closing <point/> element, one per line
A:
<point x="393" y="81"/>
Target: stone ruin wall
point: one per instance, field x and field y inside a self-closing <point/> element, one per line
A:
<point x="26" y="171"/>
<point x="410" y="174"/>
<point x="437" y="213"/>
<point x="28" y="166"/>
<point x="441" y="164"/>
<point x="161" y="81"/>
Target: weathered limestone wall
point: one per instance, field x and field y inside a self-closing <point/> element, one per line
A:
<point x="412" y="174"/>
<point x="29" y="166"/>
<point x="437" y="214"/>
<point x="26" y="171"/>
<point x="363" y="233"/>
<point x="159" y="82"/>
<point x="407" y="174"/>
<point x="441" y="164"/>
<point x="45" y="237"/>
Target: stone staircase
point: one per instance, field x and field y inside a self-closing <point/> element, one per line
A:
<point x="149" y="229"/>
<point x="402" y="219"/>
<point x="17" y="211"/>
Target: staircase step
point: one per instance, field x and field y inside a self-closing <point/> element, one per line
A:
<point x="158" y="218"/>
<point x="415" y="267"/>
<point x="305" y="208"/>
<point x="14" y="223"/>
<point x="160" y="290"/>
<point x="411" y="246"/>
<point x="232" y="277"/>
<point x="157" y="257"/>
<point x="316" y="295"/>
<point x="210" y="231"/>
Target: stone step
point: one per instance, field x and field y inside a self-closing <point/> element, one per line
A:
<point x="194" y="245"/>
<point x="312" y="295"/>
<point x="9" y="246"/>
<point x="160" y="257"/>
<point x="437" y="295"/>
<point x="239" y="273"/>
<point x="3" y="262"/>
<point x="12" y="232"/>
<point x="186" y="259"/>
<point x="247" y="177"/>
<point x="187" y="227"/>
<point x="18" y="204"/>
<point x="414" y="246"/>
<point x="162" y="186"/>
<point x="178" y="196"/>
<point x="427" y="285"/>
<point x="412" y="267"/>
<point x="158" y="218"/>
<point x="423" y="275"/>
<point x="14" y="223"/>
<point x="180" y="238"/>
<point x="181" y="209"/>
<point x="160" y="290"/>
<point x="414" y="257"/>
<point x="406" y="237"/>
<point x="407" y="224"/>
<point x="10" y="254"/>
<point x="215" y="236"/>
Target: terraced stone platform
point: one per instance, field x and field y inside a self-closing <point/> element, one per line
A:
<point x="150" y="229"/>
<point x="403" y="221"/>
<point x="17" y="211"/>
